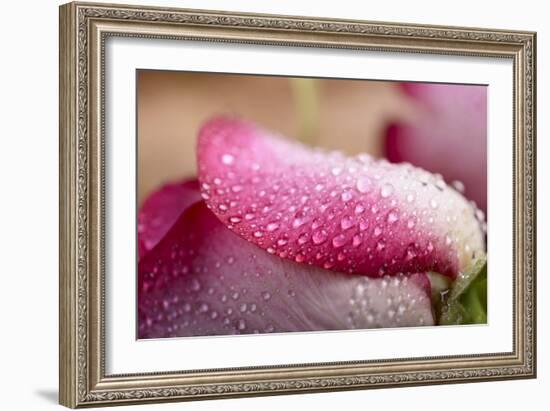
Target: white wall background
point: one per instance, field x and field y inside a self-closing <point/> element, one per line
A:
<point x="28" y="204"/>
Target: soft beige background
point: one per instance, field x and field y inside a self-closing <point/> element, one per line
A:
<point x="348" y="115"/>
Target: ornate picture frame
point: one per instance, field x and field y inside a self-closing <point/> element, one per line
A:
<point x="84" y="28"/>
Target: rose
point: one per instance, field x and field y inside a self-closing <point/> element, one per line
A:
<point x="289" y="238"/>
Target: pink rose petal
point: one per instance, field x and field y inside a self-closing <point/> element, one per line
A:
<point x="161" y="210"/>
<point x="347" y="214"/>
<point x="202" y="279"/>
<point x="448" y="137"/>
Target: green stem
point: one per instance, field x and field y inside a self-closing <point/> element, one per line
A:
<point x="305" y="92"/>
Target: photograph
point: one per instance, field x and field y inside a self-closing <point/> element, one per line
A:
<point x="274" y="204"/>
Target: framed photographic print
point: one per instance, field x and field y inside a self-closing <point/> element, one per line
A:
<point x="261" y="204"/>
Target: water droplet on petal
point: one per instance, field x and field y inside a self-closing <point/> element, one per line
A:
<point x="272" y="227"/>
<point x="241" y="324"/>
<point x="195" y="285"/>
<point x="299" y="220"/>
<point x="393" y="216"/>
<point x="303" y="238"/>
<point x="430" y="247"/>
<point x="266" y="295"/>
<point x="228" y="159"/>
<point x="480" y="215"/>
<point x="364" y="184"/>
<point x="433" y="203"/>
<point x="359" y="208"/>
<point x="347" y="222"/>
<point x="336" y="171"/>
<point x="377" y="231"/>
<point x="319" y="237"/>
<point x="339" y="241"/>
<point x="386" y="190"/>
<point x="357" y="240"/>
<point x="282" y="241"/>
<point x="347" y="195"/>
<point x="410" y="198"/>
<point x="235" y="219"/>
<point x="458" y="186"/>
<point x="411" y="253"/>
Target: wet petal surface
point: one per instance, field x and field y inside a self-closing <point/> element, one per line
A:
<point x="346" y="214"/>
<point x="202" y="279"/>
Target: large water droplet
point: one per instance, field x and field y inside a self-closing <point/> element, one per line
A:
<point x="364" y="184"/>
<point x="195" y="285"/>
<point x="300" y="258"/>
<point x="316" y="223"/>
<point x="303" y="238"/>
<point x="359" y="208"/>
<point x="235" y="219"/>
<point x="228" y="159"/>
<point x="299" y="220"/>
<point x="241" y="324"/>
<point x="386" y="190"/>
<point x="411" y="253"/>
<point x="480" y="215"/>
<point x="339" y="241"/>
<point x="347" y="195"/>
<point x="377" y="231"/>
<point x="357" y="240"/>
<point x="393" y="216"/>
<point x="272" y="227"/>
<point x="319" y="237"/>
<point x="458" y="186"/>
<point x="347" y="222"/>
<point x="282" y="241"/>
<point x="440" y="184"/>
